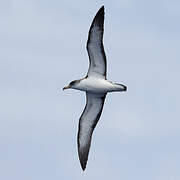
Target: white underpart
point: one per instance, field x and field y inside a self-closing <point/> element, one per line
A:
<point x="98" y="85"/>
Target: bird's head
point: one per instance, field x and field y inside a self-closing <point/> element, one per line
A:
<point x="72" y="85"/>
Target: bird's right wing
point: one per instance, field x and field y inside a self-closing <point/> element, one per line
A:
<point x="87" y="123"/>
<point x="97" y="57"/>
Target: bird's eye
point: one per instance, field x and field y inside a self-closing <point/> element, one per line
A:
<point x="72" y="83"/>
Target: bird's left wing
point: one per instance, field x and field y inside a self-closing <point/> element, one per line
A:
<point x="87" y="123"/>
<point x="97" y="57"/>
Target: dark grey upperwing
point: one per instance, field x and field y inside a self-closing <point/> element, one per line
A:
<point x="87" y="123"/>
<point x="97" y="57"/>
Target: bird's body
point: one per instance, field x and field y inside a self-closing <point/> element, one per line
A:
<point x="96" y="86"/>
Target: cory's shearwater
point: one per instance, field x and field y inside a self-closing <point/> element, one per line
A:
<point x="95" y="85"/>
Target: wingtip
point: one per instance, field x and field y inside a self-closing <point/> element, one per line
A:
<point x="83" y="160"/>
<point x="83" y="164"/>
<point x="99" y="17"/>
<point x="101" y="9"/>
<point x="83" y="167"/>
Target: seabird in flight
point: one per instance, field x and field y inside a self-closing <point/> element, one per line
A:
<point x="95" y="85"/>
